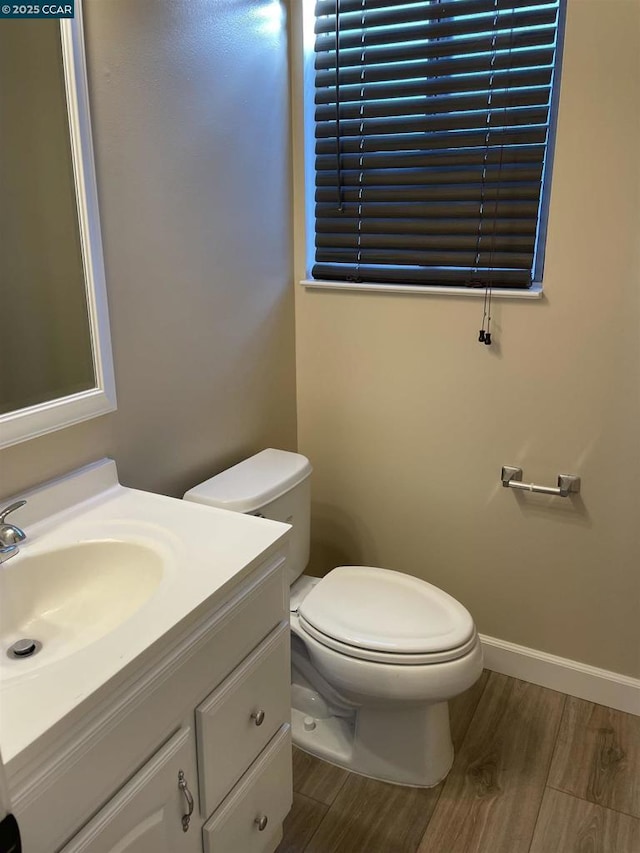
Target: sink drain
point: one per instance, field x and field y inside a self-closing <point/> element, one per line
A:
<point x="24" y="649"/>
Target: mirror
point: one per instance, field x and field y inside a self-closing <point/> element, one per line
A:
<point x="55" y="351"/>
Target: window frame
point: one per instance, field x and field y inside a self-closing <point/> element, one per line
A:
<point x="304" y="138"/>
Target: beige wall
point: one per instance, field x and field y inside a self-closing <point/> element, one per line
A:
<point x="195" y="220"/>
<point x="407" y="418"/>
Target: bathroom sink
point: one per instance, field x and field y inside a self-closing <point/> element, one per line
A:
<point x="67" y="597"/>
<point x="106" y="576"/>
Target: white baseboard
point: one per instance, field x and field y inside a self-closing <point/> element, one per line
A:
<point x="567" y="676"/>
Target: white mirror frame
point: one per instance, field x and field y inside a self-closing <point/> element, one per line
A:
<point x="31" y="422"/>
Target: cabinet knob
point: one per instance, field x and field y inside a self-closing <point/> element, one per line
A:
<point x="182" y="784"/>
<point x="258" y="717"/>
<point x="261" y="822"/>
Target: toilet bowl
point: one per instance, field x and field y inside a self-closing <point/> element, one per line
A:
<point x="376" y="654"/>
<point x="394" y="650"/>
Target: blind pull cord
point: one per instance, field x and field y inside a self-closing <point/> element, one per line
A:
<point x="363" y="34"/>
<point x="338" y="136"/>
<point x="484" y="336"/>
<point x="489" y="291"/>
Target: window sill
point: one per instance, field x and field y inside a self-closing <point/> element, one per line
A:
<point x="534" y="292"/>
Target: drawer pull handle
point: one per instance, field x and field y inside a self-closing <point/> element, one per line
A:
<point x="258" y="717"/>
<point x="182" y="784"/>
<point x="261" y="822"/>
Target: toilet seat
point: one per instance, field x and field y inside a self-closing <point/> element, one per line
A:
<point x="386" y="617"/>
<point x="384" y="657"/>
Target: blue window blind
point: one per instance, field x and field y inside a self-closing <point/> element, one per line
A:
<point x="432" y="126"/>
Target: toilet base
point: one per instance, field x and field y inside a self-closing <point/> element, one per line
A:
<point x="410" y="747"/>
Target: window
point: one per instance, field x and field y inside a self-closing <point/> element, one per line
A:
<point x="433" y="138"/>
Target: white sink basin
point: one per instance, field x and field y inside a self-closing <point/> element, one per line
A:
<point x="68" y="597"/>
<point x="106" y="576"/>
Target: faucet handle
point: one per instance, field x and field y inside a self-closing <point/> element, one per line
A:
<point x="11" y="508"/>
<point x="10" y="534"/>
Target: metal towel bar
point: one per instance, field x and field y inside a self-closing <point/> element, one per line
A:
<point x="568" y="484"/>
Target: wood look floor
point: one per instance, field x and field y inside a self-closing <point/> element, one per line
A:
<point x="535" y="772"/>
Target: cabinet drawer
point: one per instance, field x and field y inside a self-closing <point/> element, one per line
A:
<point x="146" y="815"/>
<point x="262" y="798"/>
<point x="240" y="717"/>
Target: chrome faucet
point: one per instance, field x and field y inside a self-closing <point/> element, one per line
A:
<point x="10" y="534"/>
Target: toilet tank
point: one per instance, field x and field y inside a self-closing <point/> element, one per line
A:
<point x="274" y="484"/>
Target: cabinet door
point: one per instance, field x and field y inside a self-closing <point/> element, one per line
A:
<point x="146" y="816"/>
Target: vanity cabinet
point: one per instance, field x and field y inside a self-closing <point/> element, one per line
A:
<point x="204" y="719"/>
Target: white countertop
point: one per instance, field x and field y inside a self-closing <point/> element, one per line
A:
<point x="206" y="552"/>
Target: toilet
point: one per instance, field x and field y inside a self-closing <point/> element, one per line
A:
<point x="375" y="654"/>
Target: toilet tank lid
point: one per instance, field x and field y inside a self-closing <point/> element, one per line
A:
<point x="254" y="482"/>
